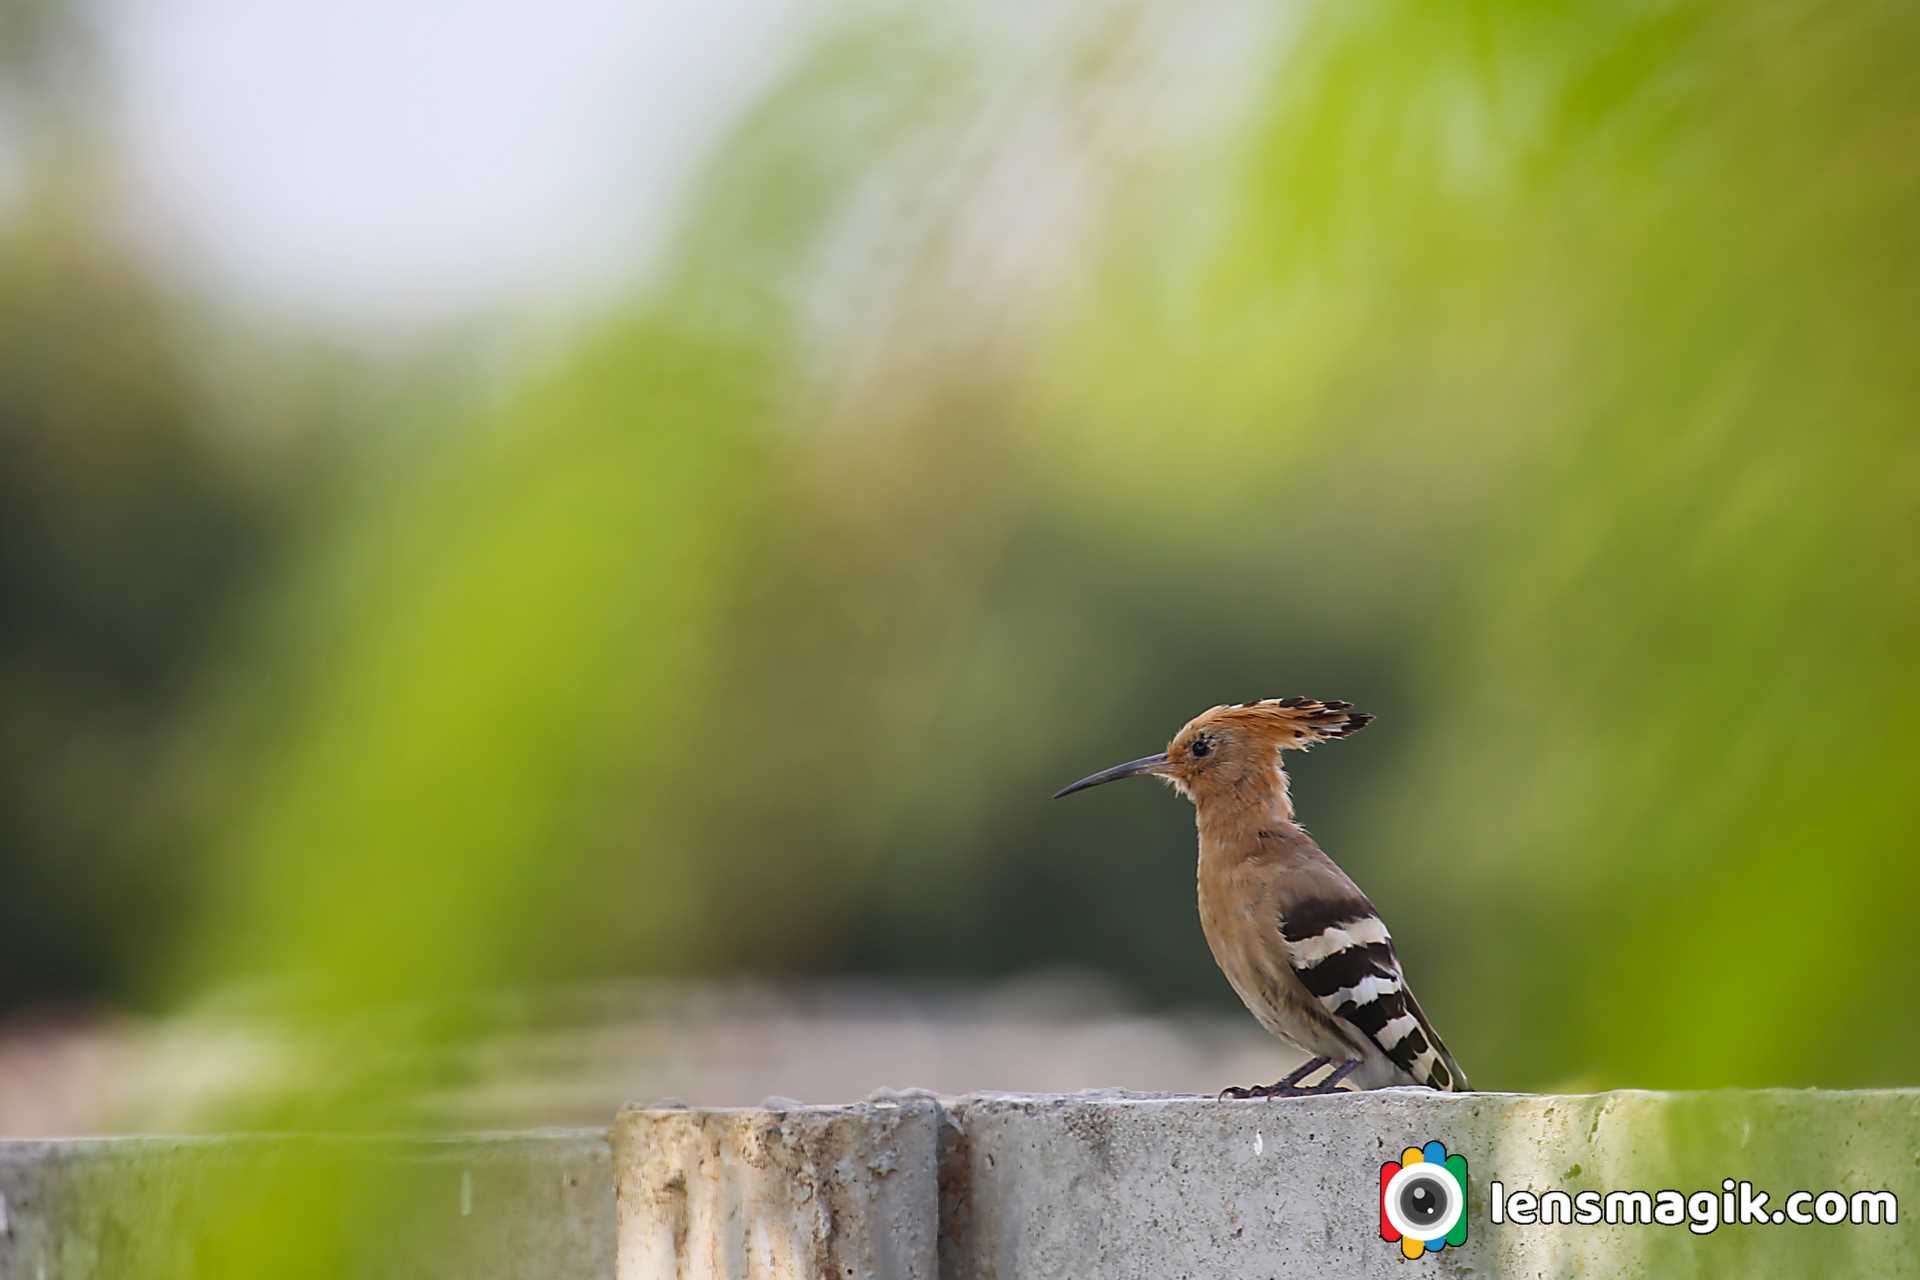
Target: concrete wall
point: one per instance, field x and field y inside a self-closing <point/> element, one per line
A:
<point x="537" y="1206"/>
<point x="986" y="1187"/>
<point x="1103" y="1185"/>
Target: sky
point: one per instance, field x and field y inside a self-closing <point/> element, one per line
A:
<point x="396" y="167"/>
<point x="380" y="171"/>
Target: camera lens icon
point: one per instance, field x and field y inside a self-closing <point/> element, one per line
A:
<point x="1423" y="1200"/>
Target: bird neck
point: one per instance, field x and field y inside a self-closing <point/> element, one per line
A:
<point x="1235" y="813"/>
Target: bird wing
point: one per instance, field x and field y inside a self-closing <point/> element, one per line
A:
<point x="1341" y="951"/>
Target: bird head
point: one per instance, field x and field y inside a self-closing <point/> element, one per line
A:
<point x="1225" y="749"/>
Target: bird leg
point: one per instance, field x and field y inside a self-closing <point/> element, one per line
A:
<point x="1289" y="1086"/>
<point x="1332" y="1083"/>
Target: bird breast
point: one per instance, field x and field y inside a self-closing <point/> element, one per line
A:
<point x="1241" y="921"/>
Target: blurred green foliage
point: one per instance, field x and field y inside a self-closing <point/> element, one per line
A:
<point x="1536" y="376"/>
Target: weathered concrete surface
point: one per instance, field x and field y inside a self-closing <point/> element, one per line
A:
<point x="1106" y="1185"/>
<point x="533" y="1206"/>
<point x="801" y="1191"/>
<point x="1190" y="1187"/>
<point x="989" y="1187"/>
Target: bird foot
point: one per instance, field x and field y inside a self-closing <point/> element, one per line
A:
<point x="1281" y="1091"/>
<point x="1289" y="1086"/>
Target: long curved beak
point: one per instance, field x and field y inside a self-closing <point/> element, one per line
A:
<point x="1131" y="769"/>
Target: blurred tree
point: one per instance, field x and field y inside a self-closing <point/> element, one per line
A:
<point x="130" y="528"/>
<point x="124" y="537"/>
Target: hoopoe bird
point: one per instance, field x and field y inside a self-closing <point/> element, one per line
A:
<point x="1303" y="948"/>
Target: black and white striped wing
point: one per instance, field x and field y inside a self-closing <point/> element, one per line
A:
<point x="1341" y="952"/>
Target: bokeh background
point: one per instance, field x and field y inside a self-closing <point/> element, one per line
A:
<point x="551" y="554"/>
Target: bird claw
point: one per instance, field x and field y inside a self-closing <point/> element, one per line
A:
<point x="1281" y="1091"/>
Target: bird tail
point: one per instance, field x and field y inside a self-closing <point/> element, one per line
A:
<point x="1299" y="723"/>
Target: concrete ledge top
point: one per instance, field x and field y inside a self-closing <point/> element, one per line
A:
<point x="533" y="1141"/>
<point x="1135" y="1098"/>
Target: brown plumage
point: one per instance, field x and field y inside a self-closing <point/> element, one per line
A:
<point x="1302" y="946"/>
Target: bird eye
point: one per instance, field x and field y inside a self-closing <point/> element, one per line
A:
<point x="1199" y="747"/>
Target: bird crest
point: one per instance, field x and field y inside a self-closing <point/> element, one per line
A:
<point x="1291" y="724"/>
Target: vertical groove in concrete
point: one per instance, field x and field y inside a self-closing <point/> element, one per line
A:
<point x="839" y="1192"/>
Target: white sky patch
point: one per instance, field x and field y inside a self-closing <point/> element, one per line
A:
<point x="383" y="169"/>
<point x="402" y="165"/>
